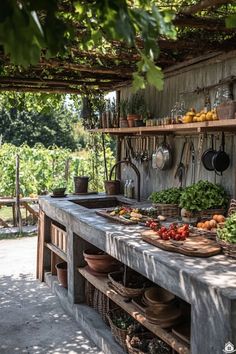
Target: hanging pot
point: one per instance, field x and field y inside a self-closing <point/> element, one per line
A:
<point x="208" y="155"/>
<point x="164" y="156"/>
<point x="221" y="160"/>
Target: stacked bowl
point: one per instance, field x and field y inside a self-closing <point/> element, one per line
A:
<point x="161" y="307"/>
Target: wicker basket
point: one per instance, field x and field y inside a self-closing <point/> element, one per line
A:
<point x="164" y="348"/>
<point x="202" y="232"/>
<point x="133" y="350"/>
<point x="229" y="249"/>
<point x="226" y="110"/>
<point x="99" y="301"/>
<point x="209" y="213"/>
<point x="115" y="277"/>
<point x="232" y="207"/>
<point x="118" y="333"/>
<point x="167" y="210"/>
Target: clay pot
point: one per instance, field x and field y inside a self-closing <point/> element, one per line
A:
<point x="62" y="273"/>
<point x="158" y="295"/>
<point x="123" y="123"/>
<point x="131" y="118"/>
<point x="57" y="192"/>
<point x="100" y="262"/>
<point x="188" y="216"/>
<point x="81" y="184"/>
<point x="112" y="187"/>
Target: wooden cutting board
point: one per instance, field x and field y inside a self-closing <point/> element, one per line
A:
<point x="106" y="214"/>
<point x="196" y="246"/>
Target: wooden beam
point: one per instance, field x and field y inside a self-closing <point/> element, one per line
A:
<point x="40" y="89"/>
<point x="208" y="24"/>
<point x="203" y="5"/>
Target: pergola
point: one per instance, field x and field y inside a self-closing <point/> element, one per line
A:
<point x="201" y="30"/>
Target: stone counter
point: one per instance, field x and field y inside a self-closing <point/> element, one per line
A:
<point x="208" y="284"/>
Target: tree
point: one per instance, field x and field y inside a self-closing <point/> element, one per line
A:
<point x="30" y="28"/>
<point x="38" y="118"/>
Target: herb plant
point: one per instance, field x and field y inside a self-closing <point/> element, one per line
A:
<point x="228" y="232"/>
<point x="202" y="196"/>
<point x="168" y="196"/>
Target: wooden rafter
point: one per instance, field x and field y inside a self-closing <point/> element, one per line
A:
<point x="203" y="5"/>
<point x="208" y="24"/>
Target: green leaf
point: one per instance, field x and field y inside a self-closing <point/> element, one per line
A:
<point x="138" y="82"/>
<point x="231" y="21"/>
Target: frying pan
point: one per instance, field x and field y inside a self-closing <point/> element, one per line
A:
<point x="164" y="156"/>
<point x="208" y="155"/>
<point x="221" y="160"/>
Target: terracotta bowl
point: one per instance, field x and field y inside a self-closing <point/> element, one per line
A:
<point x="158" y="295"/>
<point x="100" y="261"/>
<point x="62" y="273"/>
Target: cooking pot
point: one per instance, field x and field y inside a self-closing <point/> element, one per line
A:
<point x="164" y="156"/>
<point x="208" y="155"/>
<point x="221" y="160"/>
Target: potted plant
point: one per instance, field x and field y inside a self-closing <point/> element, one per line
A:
<point x="123" y="113"/>
<point x="167" y="201"/>
<point x="201" y="199"/>
<point x="59" y="189"/>
<point x="136" y="108"/>
<point x="226" y="236"/>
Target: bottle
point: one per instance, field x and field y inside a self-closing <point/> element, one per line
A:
<point x="126" y="188"/>
<point x="130" y="189"/>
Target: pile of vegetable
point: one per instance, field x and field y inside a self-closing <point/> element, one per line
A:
<point x="202" y="196"/>
<point x="174" y="232"/>
<point x="228" y="232"/>
<point x="211" y="224"/>
<point x="168" y="196"/>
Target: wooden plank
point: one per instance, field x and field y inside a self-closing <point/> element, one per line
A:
<point x="195" y="246"/>
<point x="40" y="248"/>
<point x="34" y="210"/>
<point x="101" y="283"/>
<point x="197" y="127"/>
<point x="56" y="250"/>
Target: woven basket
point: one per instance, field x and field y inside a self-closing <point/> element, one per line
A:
<point x="115" y="277"/>
<point x="118" y="333"/>
<point x="209" y="213"/>
<point x="232" y="207"/>
<point x="167" y="210"/>
<point x="97" y="300"/>
<point x="163" y="347"/>
<point x="226" y="110"/>
<point x="202" y="232"/>
<point x="229" y="249"/>
<point x="133" y="350"/>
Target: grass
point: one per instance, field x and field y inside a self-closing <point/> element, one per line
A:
<point x="6" y="213"/>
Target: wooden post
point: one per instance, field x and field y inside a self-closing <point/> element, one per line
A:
<point x="18" y="213"/>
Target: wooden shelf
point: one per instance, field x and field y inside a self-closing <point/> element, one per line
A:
<point x="56" y="250"/>
<point x="218" y="125"/>
<point x="101" y="283"/>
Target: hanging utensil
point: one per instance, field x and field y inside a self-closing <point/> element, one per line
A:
<point x="154" y="153"/>
<point x="221" y="160"/>
<point x="208" y="155"/>
<point x="180" y="170"/>
<point x="164" y="156"/>
<point x="193" y="160"/>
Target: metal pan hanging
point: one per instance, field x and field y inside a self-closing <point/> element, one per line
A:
<point x="164" y="156"/>
<point x="221" y="160"/>
<point x="208" y="155"/>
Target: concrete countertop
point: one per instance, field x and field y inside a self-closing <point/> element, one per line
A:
<point x="174" y="271"/>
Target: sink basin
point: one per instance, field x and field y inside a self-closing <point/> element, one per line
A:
<point x="100" y="203"/>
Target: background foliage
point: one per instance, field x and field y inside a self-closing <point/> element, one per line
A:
<point x="42" y="169"/>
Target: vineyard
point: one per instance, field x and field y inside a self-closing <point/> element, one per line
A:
<point x="42" y="169"/>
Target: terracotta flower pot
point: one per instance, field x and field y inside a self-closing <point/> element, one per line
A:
<point x="59" y="192"/>
<point x="112" y="187"/>
<point x="99" y="261"/>
<point x="62" y="273"/>
<point x="81" y="184"/>
<point x="131" y="118"/>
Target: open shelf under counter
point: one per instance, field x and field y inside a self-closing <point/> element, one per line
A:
<point x="217" y="125"/>
<point x="101" y="283"/>
<point x="56" y="250"/>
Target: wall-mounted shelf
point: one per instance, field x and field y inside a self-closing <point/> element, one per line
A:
<point x="101" y="283"/>
<point x="218" y="125"/>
